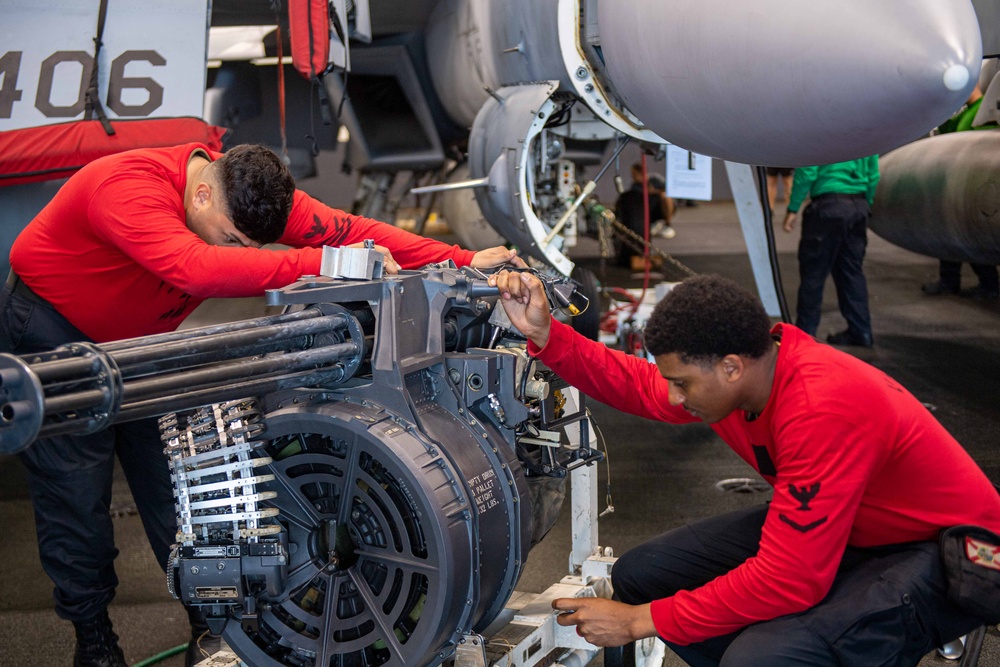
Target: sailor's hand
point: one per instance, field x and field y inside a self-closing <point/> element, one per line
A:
<point x="497" y="256"/>
<point x="390" y="265"/>
<point x="604" y="622"/>
<point x="523" y="297"/>
<point x="790" y="219"/>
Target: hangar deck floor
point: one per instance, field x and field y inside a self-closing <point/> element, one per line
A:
<point x="946" y="350"/>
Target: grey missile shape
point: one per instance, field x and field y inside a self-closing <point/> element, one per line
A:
<point x="940" y="196"/>
<point x="791" y="83"/>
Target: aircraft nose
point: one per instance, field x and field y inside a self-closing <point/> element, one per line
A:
<point x="789" y="83"/>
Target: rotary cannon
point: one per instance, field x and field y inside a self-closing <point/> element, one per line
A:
<point x="358" y="480"/>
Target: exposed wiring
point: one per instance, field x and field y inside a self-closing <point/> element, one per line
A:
<point x="772" y="252"/>
<point x="603" y="446"/>
<point x="646" y="259"/>
<point x="561" y="116"/>
<point x="281" y="97"/>
<point x="609" y="322"/>
<point x="524" y="376"/>
<point x="159" y="657"/>
<point x="507" y="647"/>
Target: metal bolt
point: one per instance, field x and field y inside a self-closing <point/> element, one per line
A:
<point x="581" y="73"/>
<point x="194" y="569"/>
<point x="589" y="88"/>
<point x="221" y="566"/>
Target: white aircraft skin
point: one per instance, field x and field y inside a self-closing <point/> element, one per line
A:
<point x="788" y="83"/>
<point x="780" y="83"/>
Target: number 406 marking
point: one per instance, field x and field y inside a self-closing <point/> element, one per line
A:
<point x="10" y="66"/>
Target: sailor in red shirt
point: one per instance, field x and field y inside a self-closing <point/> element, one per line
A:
<point x="133" y="242"/>
<point x="129" y="246"/>
<point x="842" y="567"/>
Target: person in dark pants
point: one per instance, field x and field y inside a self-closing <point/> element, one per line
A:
<point x="130" y="246"/>
<point x="81" y="468"/>
<point x="950" y="281"/>
<point x="842" y="566"/>
<point x="833" y="242"/>
<point x="630" y="212"/>
<point x="950" y="272"/>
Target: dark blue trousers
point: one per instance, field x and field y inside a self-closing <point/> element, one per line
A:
<point x="951" y="275"/>
<point x="69" y="477"/>
<point x="833" y="243"/>
<point x="888" y="605"/>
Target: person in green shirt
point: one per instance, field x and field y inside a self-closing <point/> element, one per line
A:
<point x="950" y="272"/>
<point x="833" y="242"/>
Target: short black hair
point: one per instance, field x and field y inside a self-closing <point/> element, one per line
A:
<point x="258" y="190"/>
<point x="705" y="318"/>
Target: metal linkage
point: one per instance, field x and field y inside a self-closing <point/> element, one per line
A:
<point x="214" y="476"/>
<point x="83" y="388"/>
<point x="229" y="546"/>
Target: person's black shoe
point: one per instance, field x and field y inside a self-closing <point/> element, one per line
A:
<point x="97" y="643"/>
<point x="979" y="292"/>
<point x="847" y="337"/>
<point x="937" y="287"/>
<point x="203" y="643"/>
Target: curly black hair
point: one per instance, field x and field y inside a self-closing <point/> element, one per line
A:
<point x="258" y="189"/>
<point x="705" y="318"/>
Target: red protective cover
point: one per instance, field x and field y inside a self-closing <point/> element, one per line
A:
<point x="309" y="23"/>
<point x="56" y="151"/>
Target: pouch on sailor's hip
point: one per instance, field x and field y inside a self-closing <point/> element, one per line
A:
<point x="971" y="559"/>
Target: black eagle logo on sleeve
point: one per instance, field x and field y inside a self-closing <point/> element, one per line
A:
<point x="320" y="229"/>
<point x="804" y="495"/>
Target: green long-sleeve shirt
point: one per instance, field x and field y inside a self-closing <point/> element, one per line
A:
<point x="855" y="177"/>
<point x="962" y="120"/>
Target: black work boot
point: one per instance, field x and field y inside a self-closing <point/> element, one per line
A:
<point x="203" y="643"/>
<point x="850" y="338"/>
<point x="97" y="643"/>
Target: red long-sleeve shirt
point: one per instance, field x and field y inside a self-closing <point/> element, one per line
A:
<point x="112" y="253"/>
<point x="853" y="457"/>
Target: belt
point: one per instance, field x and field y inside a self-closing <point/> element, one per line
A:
<point x="17" y="286"/>
<point x="839" y="195"/>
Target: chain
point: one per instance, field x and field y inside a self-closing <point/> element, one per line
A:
<point x="213" y="473"/>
